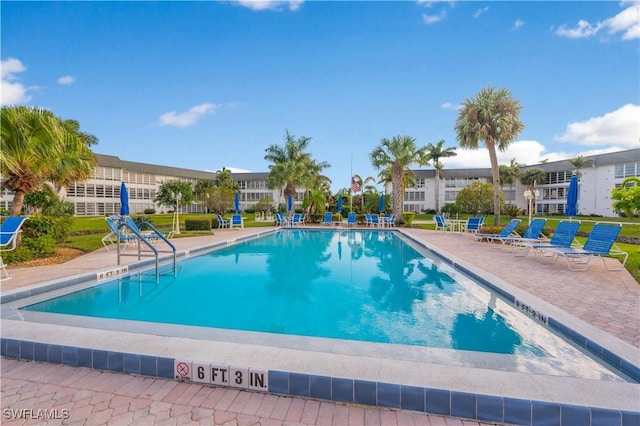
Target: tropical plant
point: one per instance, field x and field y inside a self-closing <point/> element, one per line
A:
<point x="39" y="147"/>
<point x="532" y="176"/>
<point x="434" y="153"/>
<point x="492" y="116"/>
<point x="362" y="184"/>
<point x="627" y="198"/>
<point x="315" y="201"/>
<point x="168" y="194"/>
<point x="396" y="154"/>
<point x="579" y="163"/>
<point x="293" y="166"/>
<point x="509" y="174"/>
<point x="219" y="200"/>
<point x="476" y="198"/>
<point x="224" y="180"/>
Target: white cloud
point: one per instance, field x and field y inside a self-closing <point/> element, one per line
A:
<point x="260" y="5"/>
<point x="518" y="23"/>
<point x="432" y="19"/>
<point x="620" y="127"/>
<point x="11" y="91"/>
<point x="66" y="80"/>
<point x="480" y="11"/>
<point x="626" y="22"/>
<point x="449" y="106"/>
<point x="187" y="118"/>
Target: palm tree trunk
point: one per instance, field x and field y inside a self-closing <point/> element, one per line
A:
<point x="17" y="202"/>
<point x="397" y="173"/>
<point x="495" y="175"/>
<point x="437" y="191"/>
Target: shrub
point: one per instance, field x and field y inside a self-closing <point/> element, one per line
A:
<point x="450" y="208"/>
<point x="42" y="246"/>
<point x="512" y="210"/>
<point x="197" y="224"/>
<point x="407" y="217"/>
<point x="55" y="227"/>
<point x="149" y="211"/>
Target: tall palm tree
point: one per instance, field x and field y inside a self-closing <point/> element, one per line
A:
<point x="38" y="147"/>
<point x="397" y="154"/>
<point x="492" y="116"/>
<point x="292" y="165"/>
<point x="509" y="174"/>
<point x="434" y="153"/>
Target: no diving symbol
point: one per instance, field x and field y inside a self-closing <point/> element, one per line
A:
<point x="182" y="369"/>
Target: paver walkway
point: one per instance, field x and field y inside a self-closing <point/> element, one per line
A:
<point x="81" y="396"/>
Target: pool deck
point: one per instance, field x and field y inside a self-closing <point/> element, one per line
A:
<point x="603" y="305"/>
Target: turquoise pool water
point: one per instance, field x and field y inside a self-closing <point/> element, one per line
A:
<point x="356" y="285"/>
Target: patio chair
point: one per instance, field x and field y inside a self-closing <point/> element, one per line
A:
<point x="441" y="223"/>
<point x="563" y="236"/>
<point x="328" y="219"/>
<point x="375" y="221"/>
<point x="298" y="219"/>
<point x="509" y="230"/>
<point x="146" y="230"/>
<point x="351" y="219"/>
<point x="222" y="223"/>
<point x="9" y="231"/>
<point x="116" y="236"/>
<point x="281" y="220"/>
<point x="237" y="221"/>
<point x="474" y="224"/>
<point x="389" y="221"/>
<point x="600" y="243"/>
<point x="367" y="219"/>
<point x="532" y="234"/>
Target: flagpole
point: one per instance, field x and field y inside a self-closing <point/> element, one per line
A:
<point x="350" y="179"/>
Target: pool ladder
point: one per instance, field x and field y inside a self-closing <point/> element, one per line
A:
<point x="144" y="239"/>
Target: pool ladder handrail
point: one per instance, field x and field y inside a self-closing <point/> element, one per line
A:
<point x="144" y="239"/>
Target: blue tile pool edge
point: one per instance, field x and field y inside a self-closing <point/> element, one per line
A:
<point x="428" y="400"/>
<point x="614" y="360"/>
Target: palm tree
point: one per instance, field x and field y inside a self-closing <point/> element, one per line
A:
<point x="293" y="166"/>
<point x="434" y="153"/>
<point x="38" y="147"/>
<point x="492" y="116"/>
<point x="509" y="174"/>
<point x="579" y="162"/>
<point x="361" y="184"/>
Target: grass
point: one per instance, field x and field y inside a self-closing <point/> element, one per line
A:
<point x="88" y="231"/>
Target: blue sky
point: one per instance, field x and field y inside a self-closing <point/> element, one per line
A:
<point x="203" y="85"/>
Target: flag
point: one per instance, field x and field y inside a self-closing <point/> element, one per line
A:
<point x="354" y="185"/>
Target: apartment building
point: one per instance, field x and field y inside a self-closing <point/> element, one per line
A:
<point x="100" y="194"/>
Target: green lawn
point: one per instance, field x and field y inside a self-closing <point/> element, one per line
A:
<point x="88" y="231"/>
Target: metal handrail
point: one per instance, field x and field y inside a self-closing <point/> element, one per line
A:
<point x="144" y="239"/>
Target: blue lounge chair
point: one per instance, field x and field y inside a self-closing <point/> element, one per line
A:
<point x="367" y="219"/>
<point x="563" y="236"/>
<point x="116" y="236"/>
<point x="351" y="219"/>
<point x="474" y="224"/>
<point x="328" y="219"/>
<point x="509" y="230"/>
<point x="375" y="220"/>
<point x="146" y="230"/>
<point x="441" y="223"/>
<point x="600" y="243"/>
<point x="236" y="221"/>
<point x="222" y="223"/>
<point x="9" y="231"/>
<point x="532" y="234"/>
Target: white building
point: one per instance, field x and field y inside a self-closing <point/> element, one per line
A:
<point x="603" y="173"/>
<point x="100" y="195"/>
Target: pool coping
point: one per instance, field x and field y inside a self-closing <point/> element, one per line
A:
<point x="520" y="398"/>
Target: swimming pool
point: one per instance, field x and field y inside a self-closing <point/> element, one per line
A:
<point x="372" y="286"/>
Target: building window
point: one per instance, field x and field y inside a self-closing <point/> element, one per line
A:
<point x="419" y="183"/>
<point x="626" y="169"/>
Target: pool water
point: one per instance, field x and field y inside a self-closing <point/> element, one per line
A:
<point x="357" y="285"/>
